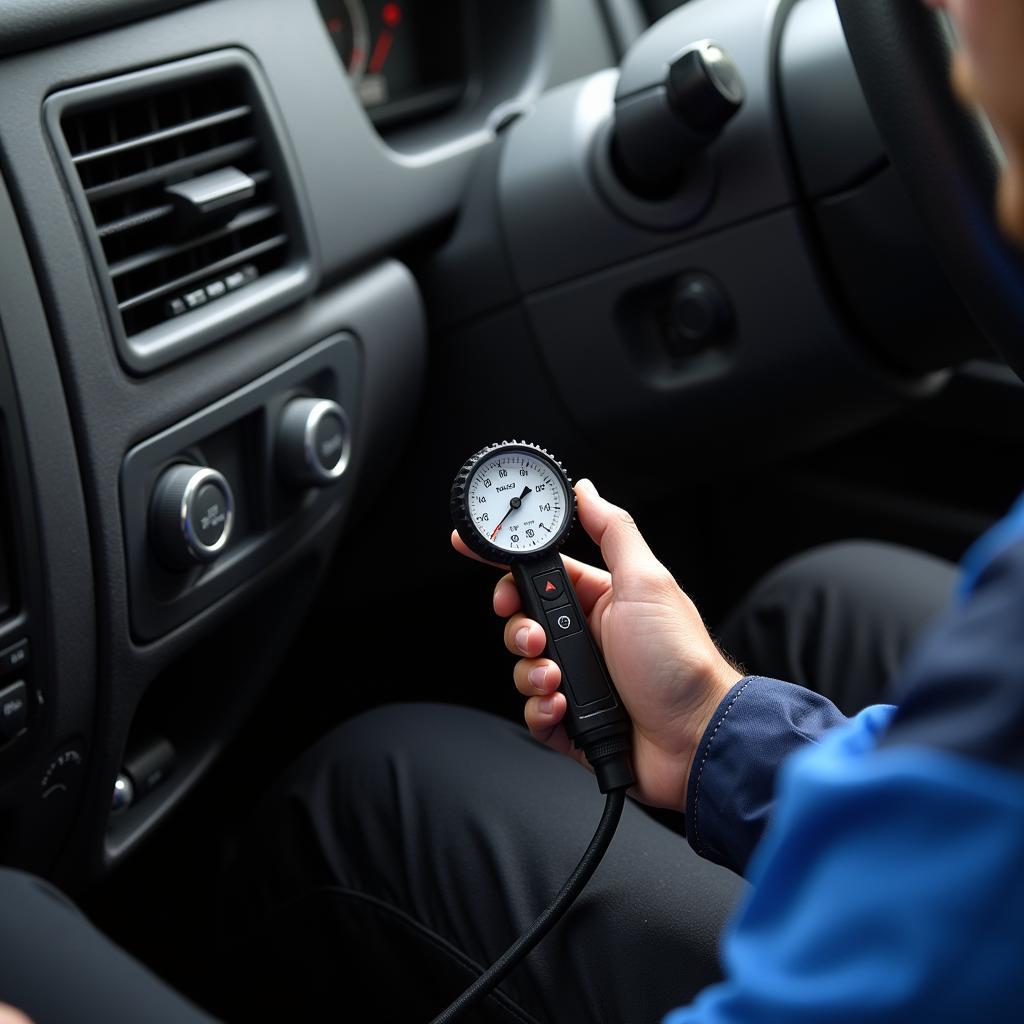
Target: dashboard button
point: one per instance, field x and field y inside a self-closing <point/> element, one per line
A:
<point x="14" y="657"/>
<point x="210" y="512"/>
<point x="313" y="442"/>
<point x="192" y="514"/>
<point x="124" y="794"/>
<point x="13" y="710"/>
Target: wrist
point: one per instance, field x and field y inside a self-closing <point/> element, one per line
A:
<point x="720" y="678"/>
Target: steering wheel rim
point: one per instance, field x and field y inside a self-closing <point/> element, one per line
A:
<point x="948" y="156"/>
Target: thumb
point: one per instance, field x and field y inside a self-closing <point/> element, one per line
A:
<point x="612" y="529"/>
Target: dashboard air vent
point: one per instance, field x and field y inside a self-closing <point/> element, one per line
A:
<point x="188" y="201"/>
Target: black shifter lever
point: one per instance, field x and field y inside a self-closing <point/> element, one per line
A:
<point x="661" y="127"/>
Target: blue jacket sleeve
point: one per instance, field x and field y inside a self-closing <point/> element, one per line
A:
<point x="887" y="884"/>
<point x="732" y="784"/>
<point x="887" y="889"/>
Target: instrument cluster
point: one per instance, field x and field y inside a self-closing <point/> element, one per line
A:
<point x="406" y="59"/>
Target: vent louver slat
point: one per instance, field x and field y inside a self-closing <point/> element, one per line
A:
<point x="246" y="219"/>
<point x="188" y="280"/>
<point x="178" y="170"/>
<point x="165" y="254"/>
<point x="234" y="114"/>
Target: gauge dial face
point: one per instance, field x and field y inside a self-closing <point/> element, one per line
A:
<point x="517" y="501"/>
<point x="350" y="29"/>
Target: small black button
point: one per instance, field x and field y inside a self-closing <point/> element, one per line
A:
<point x="13" y="710"/>
<point x="209" y="514"/>
<point x="563" y="622"/>
<point x="13" y="658"/>
<point x="699" y="314"/>
<point x="550" y="585"/>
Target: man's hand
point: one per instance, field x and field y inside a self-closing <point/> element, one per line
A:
<point x="666" y="667"/>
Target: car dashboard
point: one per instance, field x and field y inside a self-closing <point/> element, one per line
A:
<point x="206" y="213"/>
<point x="259" y="260"/>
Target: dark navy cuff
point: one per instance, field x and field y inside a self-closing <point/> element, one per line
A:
<point x="732" y="783"/>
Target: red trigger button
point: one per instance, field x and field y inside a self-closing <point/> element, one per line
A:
<point x="550" y="585"/>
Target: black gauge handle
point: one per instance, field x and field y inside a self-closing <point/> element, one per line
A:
<point x="596" y="720"/>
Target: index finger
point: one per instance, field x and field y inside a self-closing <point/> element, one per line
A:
<point x="588" y="581"/>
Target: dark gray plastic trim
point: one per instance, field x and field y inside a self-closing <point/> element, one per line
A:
<point x="175" y="338"/>
<point x="626" y="21"/>
<point x="558" y="222"/>
<point x="56" y="555"/>
<point x="29" y="23"/>
<point x="382" y="309"/>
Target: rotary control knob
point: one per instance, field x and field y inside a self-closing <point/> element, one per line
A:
<point x="313" y="442"/>
<point x="192" y="512"/>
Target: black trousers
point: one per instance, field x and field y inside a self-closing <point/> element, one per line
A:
<point x="410" y="846"/>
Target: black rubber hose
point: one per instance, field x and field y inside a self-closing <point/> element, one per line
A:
<point x="496" y="973"/>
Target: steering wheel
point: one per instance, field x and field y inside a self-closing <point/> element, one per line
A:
<point x="948" y="156"/>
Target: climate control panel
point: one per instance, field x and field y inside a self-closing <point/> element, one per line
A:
<point x="219" y="496"/>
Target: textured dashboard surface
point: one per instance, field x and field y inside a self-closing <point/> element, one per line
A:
<point x="28" y="23"/>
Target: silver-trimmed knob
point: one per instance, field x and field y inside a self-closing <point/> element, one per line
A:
<point x="314" y="442"/>
<point x="124" y="794"/>
<point x="193" y="511"/>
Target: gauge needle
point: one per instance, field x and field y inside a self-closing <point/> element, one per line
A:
<point x="381" y="51"/>
<point x="512" y="506"/>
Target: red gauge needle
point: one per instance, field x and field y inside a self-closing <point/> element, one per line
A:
<point x="512" y="506"/>
<point x="381" y="51"/>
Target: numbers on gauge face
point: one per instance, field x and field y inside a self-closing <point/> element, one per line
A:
<point x="517" y="501"/>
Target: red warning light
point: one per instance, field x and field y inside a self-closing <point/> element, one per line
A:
<point x="391" y="15"/>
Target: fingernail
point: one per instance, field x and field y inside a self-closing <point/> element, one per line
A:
<point x="522" y="638"/>
<point x="588" y="486"/>
<point x="537" y="677"/>
<point x="546" y="705"/>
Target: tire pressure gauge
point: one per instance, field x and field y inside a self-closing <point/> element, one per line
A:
<point x="514" y="503"/>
